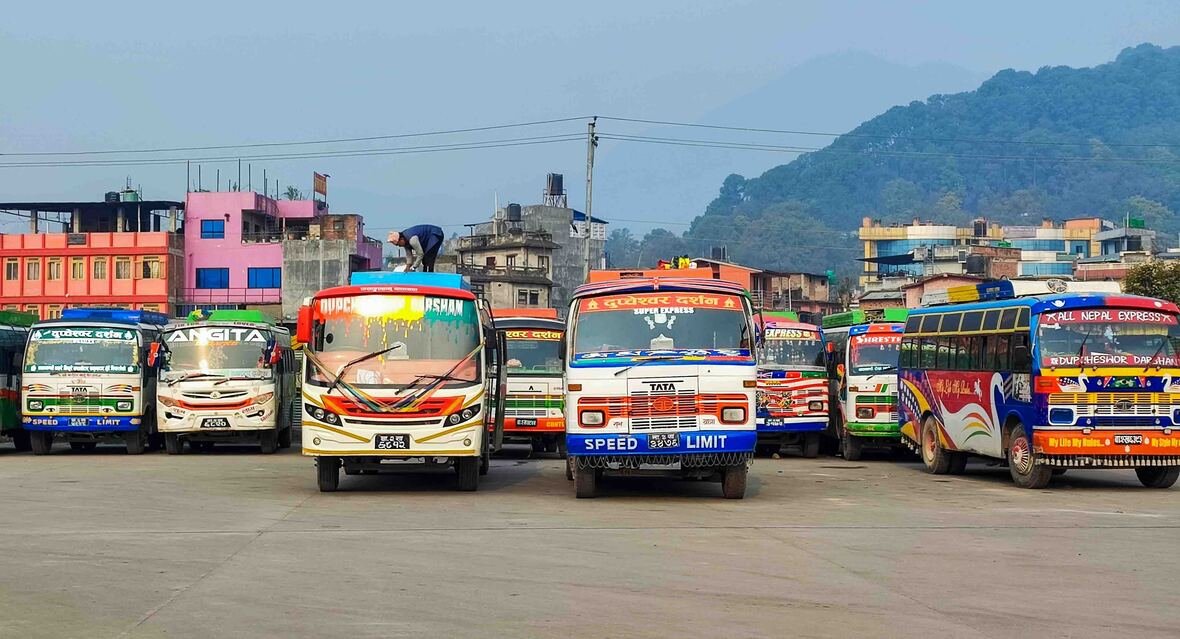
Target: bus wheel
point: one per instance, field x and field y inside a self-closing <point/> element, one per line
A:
<point x="1026" y="473"/>
<point x="809" y="446"/>
<point x="136" y="442"/>
<point x="733" y="481"/>
<point x="268" y="441"/>
<point x="936" y="458"/>
<point x="852" y="446"/>
<point x="586" y="482"/>
<point x="285" y="437"/>
<point x="21" y="441"/>
<point x="173" y="445"/>
<point x="41" y="442"/>
<point x="328" y="474"/>
<point x="485" y="463"/>
<point x="468" y="470"/>
<point x="1158" y="476"/>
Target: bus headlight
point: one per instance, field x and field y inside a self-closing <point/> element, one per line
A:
<point x="733" y="415"/>
<point x="123" y="405"/>
<point x="463" y="415"/>
<point x="592" y="418"/>
<point x="865" y="412"/>
<point x="167" y="401"/>
<point x="814" y="406"/>
<point x="331" y="418"/>
<point x="36" y="404"/>
<point x="263" y="398"/>
<point x="321" y="414"/>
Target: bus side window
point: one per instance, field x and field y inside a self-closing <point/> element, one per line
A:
<point x="1020" y="339"/>
<point x="907" y="352"/>
<point x="927" y="348"/>
<point x="1000" y="352"/>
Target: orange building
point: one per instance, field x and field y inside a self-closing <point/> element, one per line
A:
<point x="135" y="269"/>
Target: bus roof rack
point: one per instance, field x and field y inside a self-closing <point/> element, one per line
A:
<point x="230" y="315"/>
<point x="852" y="318"/>
<point x="1010" y="289"/>
<point x="389" y="278"/>
<point x="17" y="318"/>
<point x="119" y="315"/>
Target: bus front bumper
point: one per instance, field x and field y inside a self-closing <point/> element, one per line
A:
<point x="874" y="429"/>
<point x="84" y="424"/>
<point x="688" y="443"/>
<point x="809" y="424"/>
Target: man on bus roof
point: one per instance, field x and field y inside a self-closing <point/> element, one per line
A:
<point x="422" y="243"/>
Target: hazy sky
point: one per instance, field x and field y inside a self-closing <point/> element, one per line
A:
<point x="100" y="76"/>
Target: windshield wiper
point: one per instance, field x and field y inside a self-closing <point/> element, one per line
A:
<point x="191" y="375"/>
<point x="1163" y="343"/>
<point x="660" y="358"/>
<point x="363" y="358"/>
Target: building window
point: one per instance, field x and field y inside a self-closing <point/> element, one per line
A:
<point x="490" y="261"/>
<point x="122" y="268"/>
<point x="151" y="268"/>
<point x="33" y="270"/>
<point x="77" y="268"/>
<point x="212" y="229"/>
<point x="543" y="262"/>
<point x="510" y="260"/>
<point x="151" y="307"/>
<point x="528" y="297"/>
<point x="12" y="307"/>
<point x="53" y="311"/>
<point x="54" y="269"/>
<point x="11" y="269"/>
<point x="33" y="308"/>
<point x="213" y="278"/>
<point x="264" y="277"/>
<point x="100" y="268"/>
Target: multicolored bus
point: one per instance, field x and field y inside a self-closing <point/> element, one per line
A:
<point x="535" y="407"/>
<point x="1046" y="383"/>
<point x="862" y="369"/>
<point x="792" y="394"/>
<point x="228" y="377"/>
<point x="87" y="379"/>
<point x="14" y="333"/>
<point x="660" y="378"/>
<point x="401" y="371"/>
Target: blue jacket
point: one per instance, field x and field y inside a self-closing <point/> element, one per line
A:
<point x="429" y="236"/>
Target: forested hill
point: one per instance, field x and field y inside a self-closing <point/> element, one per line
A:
<point x="1057" y="143"/>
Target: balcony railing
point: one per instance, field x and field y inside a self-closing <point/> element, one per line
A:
<point x="473" y="242"/>
<point x="233" y="295"/>
<point x="505" y="271"/>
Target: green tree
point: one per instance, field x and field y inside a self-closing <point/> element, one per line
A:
<point x="293" y="193"/>
<point x="1154" y="214"/>
<point x="902" y="199"/>
<point x="622" y="249"/>
<point x="1155" y="278"/>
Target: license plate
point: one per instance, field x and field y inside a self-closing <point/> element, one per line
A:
<point x="663" y="440"/>
<point x="1128" y="439"/>
<point x="774" y="421"/>
<point x="526" y="422"/>
<point x="392" y="442"/>
<point x="215" y="422"/>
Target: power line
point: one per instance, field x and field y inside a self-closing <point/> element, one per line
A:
<point x="298" y="143"/>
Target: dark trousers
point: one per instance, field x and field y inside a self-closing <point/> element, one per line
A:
<point x="430" y="256"/>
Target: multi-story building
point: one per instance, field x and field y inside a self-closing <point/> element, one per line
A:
<point x="510" y="267"/>
<point x="239" y="245"/>
<point x="122" y="252"/>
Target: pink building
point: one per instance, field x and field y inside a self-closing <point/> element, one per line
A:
<point x="234" y="246"/>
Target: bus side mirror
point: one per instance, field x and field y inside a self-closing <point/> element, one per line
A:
<point x="1020" y="357"/>
<point x="303" y="325"/>
<point x="155" y="358"/>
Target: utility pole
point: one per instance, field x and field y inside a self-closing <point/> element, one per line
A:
<point x="591" y="143"/>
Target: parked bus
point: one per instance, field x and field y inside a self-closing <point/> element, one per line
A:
<point x="14" y="333"/>
<point x="228" y="377"/>
<point x="401" y="370"/>
<point x="87" y="379"/>
<point x="792" y="384"/>
<point x="660" y="378"/>
<point x="1046" y="383"/>
<point x="862" y="368"/>
<point x="535" y="408"/>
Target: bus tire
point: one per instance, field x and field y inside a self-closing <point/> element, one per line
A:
<point x="586" y="483"/>
<point x="809" y="445"/>
<point x="21" y="441"/>
<point x="733" y="481"/>
<point x="936" y="458"/>
<point x="327" y="473"/>
<point x="467" y="468"/>
<point x="1022" y="466"/>
<point x="268" y="441"/>
<point x="136" y="442"/>
<point x="41" y="442"/>
<point x="173" y="445"/>
<point x="852" y="446"/>
<point x="285" y="437"/>
<point x="1158" y="476"/>
<point x="561" y="450"/>
<point x="485" y="463"/>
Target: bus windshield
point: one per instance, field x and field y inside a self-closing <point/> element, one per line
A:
<point x="82" y="350"/>
<point x="426" y="335"/>
<point x="661" y="322"/>
<point x="792" y="347"/>
<point x="534" y="351"/>
<point x="217" y="348"/>
<point x="874" y="354"/>
<point x="1109" y="337"/>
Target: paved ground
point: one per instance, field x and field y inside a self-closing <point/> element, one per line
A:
<point x="238" y="544"/>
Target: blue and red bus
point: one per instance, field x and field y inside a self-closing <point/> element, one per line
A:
<point x="792" y="385"/>
<point x="1046" y="383"/>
